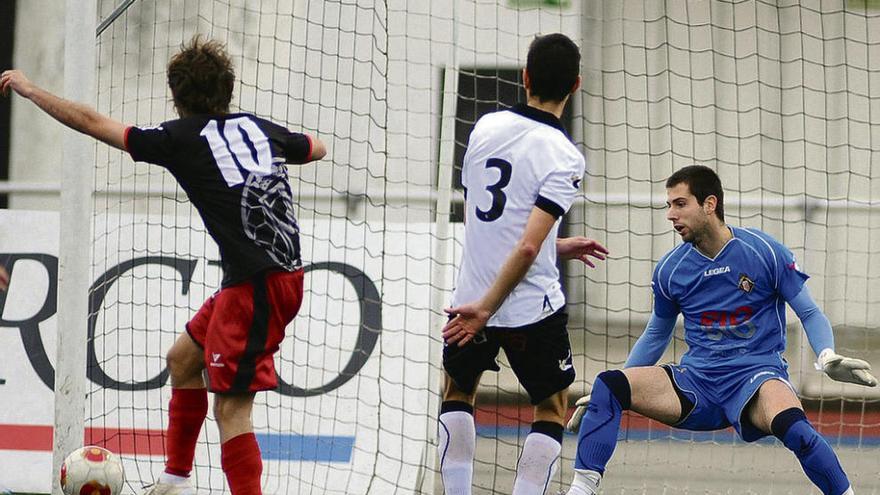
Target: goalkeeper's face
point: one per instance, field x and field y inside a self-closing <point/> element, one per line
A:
<point x="689" y="218"/>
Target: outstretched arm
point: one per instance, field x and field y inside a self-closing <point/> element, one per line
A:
<point x="77" y="116"/>
<point x="816" y="324"/>
<point x="652" y="343"/>
<point x="821" y="338"/>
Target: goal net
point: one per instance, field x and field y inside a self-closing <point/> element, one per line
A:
<point x="781" y="98"/>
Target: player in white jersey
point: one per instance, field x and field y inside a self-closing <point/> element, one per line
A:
<point x="521" y="173"/>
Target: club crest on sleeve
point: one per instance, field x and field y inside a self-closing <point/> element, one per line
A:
<point x="576" y="181"/>
<point x="745" y="283"/>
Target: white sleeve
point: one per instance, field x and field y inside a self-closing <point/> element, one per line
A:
<point x="561" y="186"/>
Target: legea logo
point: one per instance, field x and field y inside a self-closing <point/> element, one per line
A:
<point x="716" y="271"/>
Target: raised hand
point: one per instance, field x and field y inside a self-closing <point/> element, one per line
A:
<point x="15" y="80"/>
<point x="580" y="248"/>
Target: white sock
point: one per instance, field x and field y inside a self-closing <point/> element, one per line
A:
<point x="458" y="438"/>
<point x="172" y="479"/>
<point x="536" y="465"/>
<point x="585" y="482"/>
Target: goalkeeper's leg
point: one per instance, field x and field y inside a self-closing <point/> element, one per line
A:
<point x="648" y="391"/>
<point x="777" y="410"/>
<point x="597" y="437"/>
<point x="187" y="409"/>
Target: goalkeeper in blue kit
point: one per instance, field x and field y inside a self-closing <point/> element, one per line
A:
<point x="731" y="285"/>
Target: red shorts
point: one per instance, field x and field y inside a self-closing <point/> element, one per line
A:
<point x="240" y="328"/>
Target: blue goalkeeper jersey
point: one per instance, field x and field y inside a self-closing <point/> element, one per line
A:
<point x="734" y="304"/>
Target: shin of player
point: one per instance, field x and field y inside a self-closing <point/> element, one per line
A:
<point x="597" y="437"/>
<point x="517" y="190"/>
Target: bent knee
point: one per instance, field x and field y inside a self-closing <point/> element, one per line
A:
<point x="795" y="431"/>
<point x="617" y="384"/>
<point x="180" y="360"/>
<point x="184" y="363"/>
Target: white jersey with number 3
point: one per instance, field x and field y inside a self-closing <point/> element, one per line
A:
<point x="516" y="160"/>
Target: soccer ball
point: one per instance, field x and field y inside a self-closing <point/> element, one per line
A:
<point x="92" y="471"/>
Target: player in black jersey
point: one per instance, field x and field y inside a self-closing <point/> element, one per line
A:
<point x="232" y="168"/>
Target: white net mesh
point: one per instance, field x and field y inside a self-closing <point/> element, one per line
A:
<point x="780" y="98"/>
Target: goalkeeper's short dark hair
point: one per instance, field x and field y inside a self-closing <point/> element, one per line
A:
<point x="702" y="182"/>
<point x="553" y="65"/>
<point x="201" y="78"/>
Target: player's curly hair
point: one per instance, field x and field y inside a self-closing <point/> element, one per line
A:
<point x="201" y="78"/>
<point x="553" y="65"/>
<point x="703" y="182"/>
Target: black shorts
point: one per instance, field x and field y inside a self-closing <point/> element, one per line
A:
<point x="539" y="354"/>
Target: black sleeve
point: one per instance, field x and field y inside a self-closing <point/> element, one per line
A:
<point x="297" y="148"/>
<point x="151" y="145"/>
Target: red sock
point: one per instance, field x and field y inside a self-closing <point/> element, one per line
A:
<point x="186" y="413"/>
<point x="240" y="457"/>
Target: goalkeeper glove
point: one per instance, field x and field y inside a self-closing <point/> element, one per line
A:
<point x="574" y="424"/>
<point x="844" y="369"/>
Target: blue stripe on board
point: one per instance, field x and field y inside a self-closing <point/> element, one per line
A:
<point x="723" y="436"/>
<point x="316" y="448"/>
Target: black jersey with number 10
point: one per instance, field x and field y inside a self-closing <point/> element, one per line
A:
<point x="232" y="169"/>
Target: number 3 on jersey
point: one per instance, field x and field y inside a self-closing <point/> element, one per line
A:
<point x="499" y="199"/>
<point x="241" y="147"/>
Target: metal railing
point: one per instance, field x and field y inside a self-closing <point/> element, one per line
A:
<point x="397" y="195"/>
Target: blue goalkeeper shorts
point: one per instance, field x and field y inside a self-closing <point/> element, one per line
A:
<point x="719" y="397"/>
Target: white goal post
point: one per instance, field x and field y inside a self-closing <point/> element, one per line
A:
<point x="74" y="271"/>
